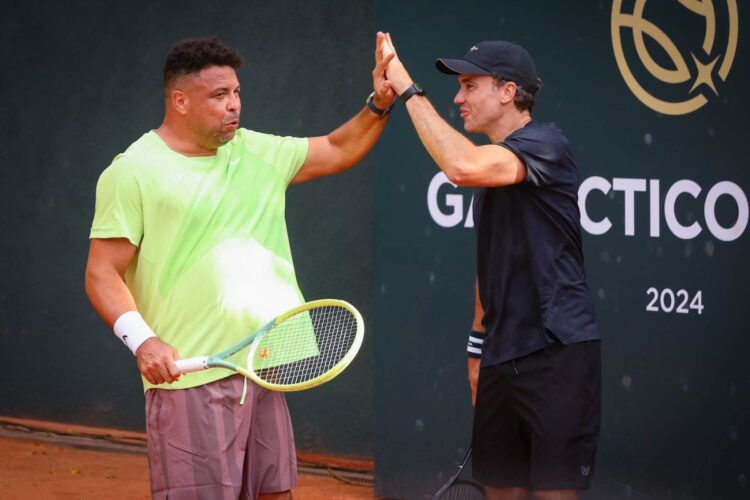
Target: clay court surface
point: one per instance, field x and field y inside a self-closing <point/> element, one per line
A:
<point x="45" y="465"/>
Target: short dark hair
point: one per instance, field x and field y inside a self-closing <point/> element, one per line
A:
<point x="524" y="100"/>
<point x="194" y="54"/>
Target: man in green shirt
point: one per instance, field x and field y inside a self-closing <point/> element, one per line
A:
<point x="189" y="254"/>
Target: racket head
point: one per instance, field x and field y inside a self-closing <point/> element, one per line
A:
<point x="306" y="346"/>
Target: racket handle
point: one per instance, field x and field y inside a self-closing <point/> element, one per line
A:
<point x="192" y="364"/>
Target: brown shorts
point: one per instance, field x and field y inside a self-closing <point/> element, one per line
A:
<point x="203" y="444"/>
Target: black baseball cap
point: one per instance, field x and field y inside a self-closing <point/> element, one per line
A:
<point x="505" y="60"/>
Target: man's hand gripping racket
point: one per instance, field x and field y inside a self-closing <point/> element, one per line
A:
<point x="299" y="349"/>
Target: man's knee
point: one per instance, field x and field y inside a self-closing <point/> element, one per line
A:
<point x="507" y="493"/>
<point x="556" y="494"/>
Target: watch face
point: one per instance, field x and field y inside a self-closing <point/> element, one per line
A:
<point x="419" y="88"/>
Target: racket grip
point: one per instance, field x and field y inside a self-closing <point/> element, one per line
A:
<point x="192" y="364"/>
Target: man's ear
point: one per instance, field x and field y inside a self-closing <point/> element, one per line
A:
<point x="179" y="101"/>
<point x="508" y="92"/>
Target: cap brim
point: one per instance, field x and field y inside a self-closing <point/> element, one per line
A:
<point x="459" y="67"/>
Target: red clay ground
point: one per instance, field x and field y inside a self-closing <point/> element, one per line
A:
<point x="34" y="468"/>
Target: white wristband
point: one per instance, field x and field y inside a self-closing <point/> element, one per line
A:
<point x="476" y="341"/>
<point x="132" y="330"/>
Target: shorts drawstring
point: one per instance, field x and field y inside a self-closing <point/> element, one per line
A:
<point x="244" y="392"/>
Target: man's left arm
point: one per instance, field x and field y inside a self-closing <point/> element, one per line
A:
<point x="348" y="144"/>
<point x="473" y="361"/>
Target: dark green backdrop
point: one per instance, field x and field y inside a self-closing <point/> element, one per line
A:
<point x="676" y="386"/>
<point x="80" y="81"/>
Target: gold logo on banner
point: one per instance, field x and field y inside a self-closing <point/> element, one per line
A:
<point x="713" y="59"/>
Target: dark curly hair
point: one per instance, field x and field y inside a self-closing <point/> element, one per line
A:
<point x="194" y="54"/>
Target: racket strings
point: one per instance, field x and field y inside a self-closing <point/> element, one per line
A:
<point x="463" y="490"/>
<point x="314" y="342"/>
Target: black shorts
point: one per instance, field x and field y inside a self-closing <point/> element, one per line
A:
<point x="536" y="422"/>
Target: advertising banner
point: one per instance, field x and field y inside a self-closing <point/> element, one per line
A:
<point x="652" y="96"/>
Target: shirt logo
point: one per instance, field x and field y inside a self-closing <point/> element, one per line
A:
<point x="686" y="78"/>
<point x="585" y="470"/>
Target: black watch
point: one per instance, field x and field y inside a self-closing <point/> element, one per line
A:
<point x="415" y="88"/>
<point x="380" y="112"/>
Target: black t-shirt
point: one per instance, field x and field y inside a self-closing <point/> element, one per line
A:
<point x="529" y="255"/>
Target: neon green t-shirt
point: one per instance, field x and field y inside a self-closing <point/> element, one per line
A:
<point x="213" y="261"/>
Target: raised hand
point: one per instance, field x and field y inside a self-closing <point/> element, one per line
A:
<point x="384" y="94"/>
<point x="397" y="78"/>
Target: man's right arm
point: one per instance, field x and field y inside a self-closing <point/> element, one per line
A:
<point x="463" y="162"/>
<point x="105" y="270"/>
<point x="105" y="286"/>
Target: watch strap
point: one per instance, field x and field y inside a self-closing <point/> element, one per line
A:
<point x="375" y="109"/>
<point x="414" y="89"/>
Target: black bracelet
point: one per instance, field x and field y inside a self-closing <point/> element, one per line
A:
<point x="474" y="346"/>
<point x="380" y="112"/>
<point x="414" y="89"/>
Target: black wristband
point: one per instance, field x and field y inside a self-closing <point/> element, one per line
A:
<point x="414" y="89"/>
<point x="474" y="346"/>
<point x="380" y="112"/>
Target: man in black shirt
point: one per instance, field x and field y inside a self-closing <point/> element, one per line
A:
<point x="537" y="388"/>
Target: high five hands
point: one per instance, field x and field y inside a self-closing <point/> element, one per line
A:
<point x="396" y="78"/>
<point x="384" y="94"/>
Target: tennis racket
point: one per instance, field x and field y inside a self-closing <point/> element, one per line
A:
<point x="297" y="350"/>
<point x="457" y="488"/>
